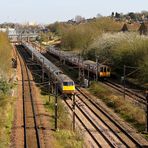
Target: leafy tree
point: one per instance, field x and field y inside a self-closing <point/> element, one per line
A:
<point x="132" y="15"/>
<point x="117" y="15"/>
<point x="112" y="15"/>
<point x="4" y="86"/>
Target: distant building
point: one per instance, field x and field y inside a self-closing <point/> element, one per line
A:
<point x="8" y="30"/>
<point x="3" y="29"/>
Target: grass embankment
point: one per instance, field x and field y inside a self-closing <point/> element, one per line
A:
<point x="6" y="100"/>
<point x="127" y="110"/>
<point x="64" y="137"/>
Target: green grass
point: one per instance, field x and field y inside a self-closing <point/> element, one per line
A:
<point x="124" y="108"/>
<point x="6" y="101"/>
<point x="64" y="137"/>
<point x="68" y="139"/>
<point x="6" y="113"/>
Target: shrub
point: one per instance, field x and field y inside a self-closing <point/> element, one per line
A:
<point x="121" y="49"/>
<point x="4" y="86"/>
<point x="126" y="109"/>
<point x="5" y="52"/>
<point x="80" y="36"/>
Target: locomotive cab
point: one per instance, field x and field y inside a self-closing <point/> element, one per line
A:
<point x="104" y="71"/>
<point x="68" y="87"/>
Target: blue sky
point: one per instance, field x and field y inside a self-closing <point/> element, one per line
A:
<point x="49" y="11"/>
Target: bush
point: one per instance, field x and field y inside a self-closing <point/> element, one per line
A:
<point x="80" y="36"/>
<point x="121" y="49"/>
<point x="6" y="101"/>
<point x="4" y="87"/>
<point x="5" y="52"/>
<point x="126" y="109"/>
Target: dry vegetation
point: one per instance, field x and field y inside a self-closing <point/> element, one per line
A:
<point x="6" y="100"/>
<point x="127" y="110"/>
<point x="5" y="55"/>
<point x="64" y="137"/>
<point x="79" y="37"/>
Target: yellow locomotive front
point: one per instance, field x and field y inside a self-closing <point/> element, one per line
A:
<point x="104" y="71"/>
<point x="68" y="87"/>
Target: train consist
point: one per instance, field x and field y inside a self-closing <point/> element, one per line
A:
<point x="103" y="71"/>
<point x="65" y="84"/>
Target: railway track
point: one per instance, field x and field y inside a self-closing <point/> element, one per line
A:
<point x="113" y="133"/>
<point x="133" y="95"/>
<point x="85" y="127"/>
<point x="31" y="131"/>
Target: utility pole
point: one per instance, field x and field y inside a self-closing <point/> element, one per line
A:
<point x="82" y="72"/>
<point x="97" y="68"/>
<point x="79" y="66"/>
<point x="42" y="69"/>
<point x="21" y="37"/>
<point x="126" y="75"/>
<point x="32" y="57"/>
<point x="73" y="109"/>
<point x="43" y="72"/>
<point x="56" y="105"/>
<point x="88" y="68"/>
<point x="49" y="90"/>
<point x="124" y="80"/>
<point x="146" y="126"/>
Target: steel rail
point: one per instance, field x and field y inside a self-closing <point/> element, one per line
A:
<point x="103" y="121"/>
<point x="33" y="109"/>
<point x="129" y="93"/>
<point x="23" y="90"/>
<point x="93" y="137"/>
<point x="93" y="124"/>
<point x="112" y="120"/>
